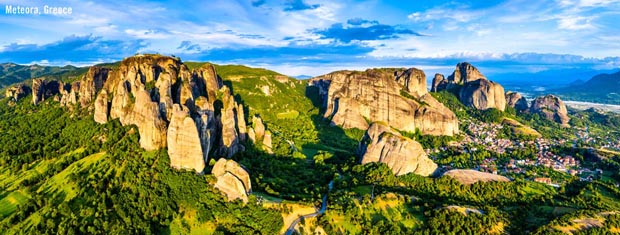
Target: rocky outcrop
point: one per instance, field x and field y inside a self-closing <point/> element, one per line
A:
<point x="464" y="73"/>
<point x="43" y="89"/>
<point x="552" y="108"/>
<point x="439" y="83"/>
<point x="38" y="88"/>
<point x="412" y="80"/>
<point x="229" y="144"/>
<point x="395" y="96"/>
<point x="259" y="127"/>
<point x="267" y="142"/>
<point x="101" y="107"/>
<point x="147" y="117"/>
<point x="516" y="101"/>
<point x="483" y="94"/>
<point x="69" y="94"/>
<point x="241" y="126"/>
<point x="92" y="82"/>
<point x="401" y="154"/>
<point x="17" y="92"/>
<point x="184" y="143"/>
<point x="473" y="176"/>
<point x="258" y="134"/>
<point x="232" y="179"/>
<point x="165" y="100"/>
<point x="475" y="90"/>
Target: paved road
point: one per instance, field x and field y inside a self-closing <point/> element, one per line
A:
<point x="291" y="229"/>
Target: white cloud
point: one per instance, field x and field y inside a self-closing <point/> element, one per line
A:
<point x="575" y="23"/>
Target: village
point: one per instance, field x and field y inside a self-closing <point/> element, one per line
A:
<point x="488" y="136"/>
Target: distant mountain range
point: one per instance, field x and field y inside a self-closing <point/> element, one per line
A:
<point x="602" y="88"/>
<point x="11" y="73"/>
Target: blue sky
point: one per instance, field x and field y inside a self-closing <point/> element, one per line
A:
<point x="314" y="37"/>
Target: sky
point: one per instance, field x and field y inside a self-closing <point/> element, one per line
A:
<point x="313" y="37"/>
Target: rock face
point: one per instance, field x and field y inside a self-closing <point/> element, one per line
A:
<point x="483" y="94"/>
<point x="147" y="117"/>
<point x="517" y="101"/>
<point x="401" y="154"/>
<point x="69" y="94"/>
<point x="101" y="107"/>
<point x="92" y="82"/>
<point x="42" y="89"/>
<point x="464" y="73"/>
<point x="552" y="108"/>
<point x="473" y="176"/>
<point x="17" y="92"/>
<point x="475" y="90"/>
<point x="395" y="96"/>
<point x="412" y="80"/>
<point x="259" y="134"/>
<point x="184" y="145"/>
<point x="439" y="83"/>
<point x="171" y="106"/>
<point x="229" y="144"/>
<point x="232" y="179"/>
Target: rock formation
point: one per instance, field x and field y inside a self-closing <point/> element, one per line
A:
<point x="464" y="73"/>
<point x="439" y="83"/>
<point x="92" y="82"/>
<point x="395" y="96"/>
<point x="168" y="102"/>
<point x="232" y="179"/>
<point x="475" y="90"/>
<point x="43" y="89"/>
<point x="412" y="80"/>
<point x="151" y="126"/>
<point x="483" y="94"/>
<point x="184" y="143"/>
<point x="517" y="101"/>
<point x="229" y="144"/>
<point x="267" y="142"/>
<point x="241" y="127"/>
<point x="258" y="128"/>
<point x="401" y="154"/>
<point x="17" y="92"/>
<point x="552" y="108"/>
<point x="171" y="106"/>
<point x="259" y="134"/>
<point x="69" y="94"/>
<point x="472" y="176"/>
<point x="101" y="107"/>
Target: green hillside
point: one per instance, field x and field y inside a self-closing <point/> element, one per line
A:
<point x="76" y="176"/>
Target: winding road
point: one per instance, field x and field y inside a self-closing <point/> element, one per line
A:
<point x="291" y="229"/>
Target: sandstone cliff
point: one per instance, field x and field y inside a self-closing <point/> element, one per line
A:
<point x="439" y="83"/>
<point x="101" y="107"/>
<point x="552" y="108"/>
<point x="43" y="89"/>
<point x="258" y="134"/>
<point x="517" y="101"/>
<point x="17" y="92"/>
<point x="395" y="96"/>
<point x="483" y="94"/>
<point x="232" y="179"/>
<point x="464" y="73"/>
<point x="184" y="147"/>
<point x="166" y="101"/>
<point x="475" y="90"/>
<point x="401" y="154"/>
